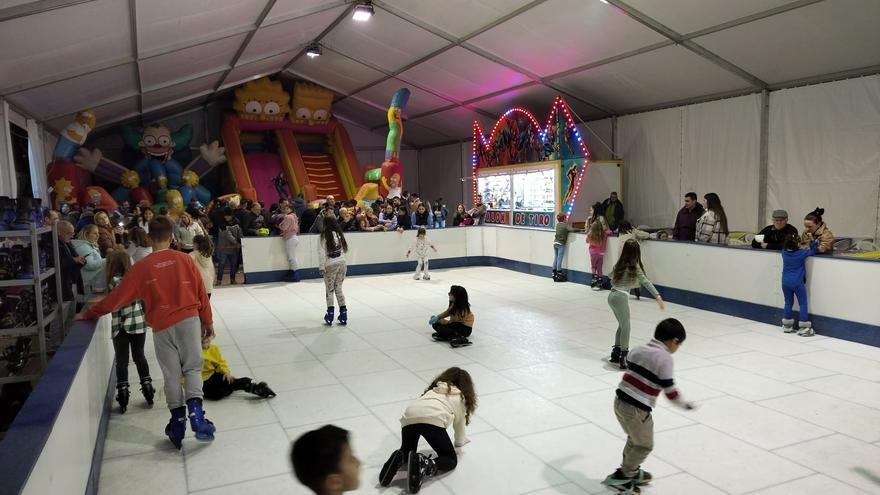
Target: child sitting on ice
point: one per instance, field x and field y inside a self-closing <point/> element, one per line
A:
<point x="219" y="381"/>
<point x="420" y="248"/>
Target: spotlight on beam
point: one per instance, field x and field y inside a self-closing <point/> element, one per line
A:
<point x="363" y="11"/>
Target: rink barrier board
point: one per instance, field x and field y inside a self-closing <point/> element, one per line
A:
<point x="37" y="458"/>
<point x="828" y="326"/>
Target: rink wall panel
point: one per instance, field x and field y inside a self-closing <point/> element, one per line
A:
<point x="736" y="281"/>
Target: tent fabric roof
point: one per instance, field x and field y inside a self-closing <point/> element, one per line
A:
<point x="462" y="59"/>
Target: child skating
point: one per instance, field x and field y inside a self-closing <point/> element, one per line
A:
<point x="129" y="331"/>
<point x="560" y="240"/>
<point x="178" y="311"/>
<point x="449" y="400"/>
<point x="650" y="372"/>
<point x="794" y="277"/>
<point x="628" y="272"/>
<point x="420" y="248"/>
<point x="331" y="263"/>
<point x="456" y="323"/>
<point x="218" y="381"/>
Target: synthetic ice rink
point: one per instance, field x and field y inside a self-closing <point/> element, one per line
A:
<point x="779" y="414"/>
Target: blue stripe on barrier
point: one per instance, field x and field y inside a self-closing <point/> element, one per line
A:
<point x="862" y="333"/>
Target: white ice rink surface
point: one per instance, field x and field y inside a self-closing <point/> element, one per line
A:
<point x="779" y="414"/>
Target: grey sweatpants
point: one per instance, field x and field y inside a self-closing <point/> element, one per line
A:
<point x="334" y="275"/>
<point x="619" y="302"/>
<point x="179" y="352"/>
<point x="639" y="428"/>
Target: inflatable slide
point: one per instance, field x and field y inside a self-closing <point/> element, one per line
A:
<point x="272" y="156"/>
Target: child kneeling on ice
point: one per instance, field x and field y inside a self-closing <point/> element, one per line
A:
<point x="218" y="381"/>
<point x="449" y="399"/>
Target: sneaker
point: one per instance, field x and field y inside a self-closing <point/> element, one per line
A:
<point x="643" y="478"/>
<point x="416" y="276"/>
<point x="806" y="332"/>
<point x="621" y="483"/>
<point x="391" y="467"/>
<point x="427" y="277"/>
<point x="460" y="342"/>
<point x="789" y="329"/>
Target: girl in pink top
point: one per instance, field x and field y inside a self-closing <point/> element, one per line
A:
<point x="597" y="238"/>
<point x="289" y="227"/>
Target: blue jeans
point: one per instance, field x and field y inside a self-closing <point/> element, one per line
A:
<point x="799" y="290"/>
<point x="558" y="254"/>
<point x="232" y="259"/>
<point x="440" y="224"/>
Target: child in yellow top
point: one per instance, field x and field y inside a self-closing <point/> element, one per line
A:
<point x="219" y="381"/>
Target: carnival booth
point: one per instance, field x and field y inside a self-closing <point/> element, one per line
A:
<point x="527" y="173"/>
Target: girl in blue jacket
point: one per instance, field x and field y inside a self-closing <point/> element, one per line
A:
<point x="794" y="277"/>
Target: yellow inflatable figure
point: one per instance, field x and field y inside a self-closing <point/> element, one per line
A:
<point x="311" y="104"/>
<point x="174" y="202"/>
<point x="262" y="99"/>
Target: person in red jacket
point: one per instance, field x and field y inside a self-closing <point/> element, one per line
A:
<point x="177" y="309"/>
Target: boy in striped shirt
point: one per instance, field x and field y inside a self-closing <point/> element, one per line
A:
<point x="649" y="372"/>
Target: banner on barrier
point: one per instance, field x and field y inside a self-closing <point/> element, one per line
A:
<point x="543" y="219"/>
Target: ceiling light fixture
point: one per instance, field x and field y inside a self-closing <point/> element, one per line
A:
<point x="363" y="11"/>
<point x="314" y="50"/>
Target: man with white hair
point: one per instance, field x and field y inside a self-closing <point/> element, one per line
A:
<point x="69" y="262"/>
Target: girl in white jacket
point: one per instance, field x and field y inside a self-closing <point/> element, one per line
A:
<point x="203" y="255"/>
<point x="449" y="400"/>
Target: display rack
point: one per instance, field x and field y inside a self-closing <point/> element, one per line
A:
<point x="33" y="369"/>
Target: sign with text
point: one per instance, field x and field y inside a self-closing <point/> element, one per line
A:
<point x="498" y="216"/>
<point x="542" y="219"/>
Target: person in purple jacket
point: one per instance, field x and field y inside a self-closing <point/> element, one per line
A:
<point x="794" y="277"/>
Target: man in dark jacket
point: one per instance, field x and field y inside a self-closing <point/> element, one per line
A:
<point x="685" y="228"/>
<point x="69" y="262"/>
<point x="614" y="213"/>
<point x="774" y="235"/>
<point x="254" y="220"/>
<point x="299" y="206"/>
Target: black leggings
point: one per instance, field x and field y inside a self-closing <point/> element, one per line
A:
<point x="436" y="437"/>
<point x="121" y="344"/>
<point x="216" y="387"/>
<point x="449" y="331"/>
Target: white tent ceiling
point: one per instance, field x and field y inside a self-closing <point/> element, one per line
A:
<point x="462" y="59"/>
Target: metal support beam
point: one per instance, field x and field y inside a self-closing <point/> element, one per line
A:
<point x="132" y="22"/>
<point x="38" y="7"/>
<point x="763" y="160"/>
<point x="245" y="43"/>
<point x="679" y="39"/>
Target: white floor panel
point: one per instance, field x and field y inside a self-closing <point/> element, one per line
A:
<point x="779" y="414"/>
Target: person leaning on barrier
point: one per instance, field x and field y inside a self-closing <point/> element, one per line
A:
<point x="773" y="236"/>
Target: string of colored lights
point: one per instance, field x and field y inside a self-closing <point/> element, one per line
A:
<point x="557" y="104"/>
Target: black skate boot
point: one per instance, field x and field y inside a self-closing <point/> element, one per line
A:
<point x="328" y="318"/>
<point x="262" y="389"/>
<point x="622" y="362"/>
<point x="148" y="390"/>
<point x="636" y="292"/>
<point x="122" y="396"/>
<point x="555" y="275"/>
<point x="391" y="467"/>
<point x="419" y="467"/>
<point x="615" y="354"/>
<point x="343" y="315"/>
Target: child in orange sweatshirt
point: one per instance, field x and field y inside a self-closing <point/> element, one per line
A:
<point x="177" y="309"/>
